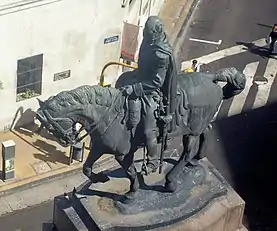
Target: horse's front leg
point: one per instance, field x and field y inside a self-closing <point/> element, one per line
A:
<point x="127" y="164"/>
<point x="191" y="147"/>
<point x="202" y="145"/>
<point x="95" y="153"/>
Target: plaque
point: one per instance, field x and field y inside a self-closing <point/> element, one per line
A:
<point x="62" y="75"/>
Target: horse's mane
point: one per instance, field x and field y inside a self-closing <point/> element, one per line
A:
<point x="84" y="95"/>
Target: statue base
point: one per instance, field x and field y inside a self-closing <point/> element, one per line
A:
<point x="203" y="201"/>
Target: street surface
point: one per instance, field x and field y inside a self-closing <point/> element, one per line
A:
<point x="242" y="143"/>
<point x="37" y="218"/>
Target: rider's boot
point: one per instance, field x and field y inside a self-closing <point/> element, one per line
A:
<point x="152" y="157"/>
<point x="150" y="132"/>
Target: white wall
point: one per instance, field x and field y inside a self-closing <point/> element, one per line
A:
<point x="69" y="33"/>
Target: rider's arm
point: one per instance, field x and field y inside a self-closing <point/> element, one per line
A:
<point x="157" y="74"/>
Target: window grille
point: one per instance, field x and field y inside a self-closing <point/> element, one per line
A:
<point x="29" y="77"/>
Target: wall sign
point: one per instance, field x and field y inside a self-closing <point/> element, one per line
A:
<point x="111" y="39"/>
<point x="62" y="75"/>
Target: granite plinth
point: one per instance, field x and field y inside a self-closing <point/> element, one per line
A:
<point x="203" y="201"/>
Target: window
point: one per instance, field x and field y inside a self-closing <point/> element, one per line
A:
<point x="29" y="77"/>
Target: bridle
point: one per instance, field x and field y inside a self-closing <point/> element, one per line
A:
<point x="73" y="137"/>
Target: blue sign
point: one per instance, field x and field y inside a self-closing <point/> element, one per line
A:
<point x="112" y="39"/>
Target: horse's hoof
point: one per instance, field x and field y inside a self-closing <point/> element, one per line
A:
<point x="193" y="163"/>
<point x="148" y="169"/>
<point x="87" y="171"/>
<point x="98" y="178"/>
<point x="95" y="178"/>
<point x="101" y="177"/>
<point x="170" y="187"/>
<point x="131" y="195"/>
<point x="144" y="172"/>
<point x="128" y="197"/>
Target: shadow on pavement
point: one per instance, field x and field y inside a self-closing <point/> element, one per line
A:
<point x="264" y="25"/>
<point x="248" y="142"/>
<point x="257" y="50"/>
<point x="50" y="153"/>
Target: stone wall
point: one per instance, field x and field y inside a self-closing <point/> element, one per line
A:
<point x="61" y="35"/>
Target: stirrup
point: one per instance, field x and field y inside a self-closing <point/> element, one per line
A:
<point x="167" y="119"/>
<point x="146" y="169"/>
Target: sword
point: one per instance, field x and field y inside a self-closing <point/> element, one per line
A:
<point x="166" y="120"/>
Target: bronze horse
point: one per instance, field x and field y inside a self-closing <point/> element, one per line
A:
<point x="103" y="113"/>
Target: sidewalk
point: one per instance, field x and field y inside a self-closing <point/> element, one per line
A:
<point x="39" y="158"/>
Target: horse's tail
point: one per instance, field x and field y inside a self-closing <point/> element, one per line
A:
<point x="235" y="81"/>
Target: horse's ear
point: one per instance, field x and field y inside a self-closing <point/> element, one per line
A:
<point x="40" y="102"/>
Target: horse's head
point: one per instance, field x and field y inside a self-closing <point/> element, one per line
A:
<point x="60" y="113"/>
<point x="235" y="81"/>
<point x="57" y="121"/>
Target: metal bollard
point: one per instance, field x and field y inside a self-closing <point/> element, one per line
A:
<point x="8" y="160"/>
<point x="77" y="152"/>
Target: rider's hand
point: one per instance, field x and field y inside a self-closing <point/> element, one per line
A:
<point x="128" y="90"/>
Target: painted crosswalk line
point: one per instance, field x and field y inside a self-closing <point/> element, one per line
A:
<point x="263" y="86"/>
<point x="222" y="54"/>
<point x="239" y="100"/>
<point x="264" y="90"/>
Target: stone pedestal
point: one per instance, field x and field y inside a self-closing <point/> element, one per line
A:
<point x="204" y="201"/>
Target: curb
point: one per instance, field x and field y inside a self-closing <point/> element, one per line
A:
<point x="57" y="176"/>
<point x="185" y="22"/>
<point x="108" y="159"/>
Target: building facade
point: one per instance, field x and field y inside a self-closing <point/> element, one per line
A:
<point x="52" y="45"/>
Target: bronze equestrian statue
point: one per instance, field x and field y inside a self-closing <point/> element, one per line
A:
<point x="137" y="111"/>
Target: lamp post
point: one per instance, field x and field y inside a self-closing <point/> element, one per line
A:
<point x="77" y="152"/>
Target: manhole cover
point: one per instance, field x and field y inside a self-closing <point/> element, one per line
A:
<point x="41" y="167"/>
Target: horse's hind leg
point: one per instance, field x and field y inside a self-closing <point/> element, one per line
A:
<point x="191" y="147"/>
<point x="94" y="154"/>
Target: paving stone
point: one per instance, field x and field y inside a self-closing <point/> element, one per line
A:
<point x="44" y="192"/>
<point x="4" y="207"/>
<point x="41" y="167"/>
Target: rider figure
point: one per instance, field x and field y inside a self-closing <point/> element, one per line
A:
<point x="156" y="74"/>
<point x="195" y="65"/>
<point x="273" y="37"/>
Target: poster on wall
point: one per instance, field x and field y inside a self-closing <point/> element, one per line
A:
<point x="129" y="41"/>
